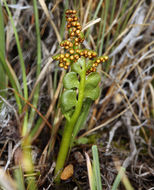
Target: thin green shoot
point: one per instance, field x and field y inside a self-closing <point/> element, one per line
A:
<point x="111" y="20"/>
<point x="62" y="28"/>
<point x="100" y="29"/>
<point x="19" y="178"/>
<point x="120" y="22"/>
<point x="104" y="26"/>
<point x="19" y="51"/>
<point x="13" y="80"/>
<point x="122" y="177"/>
<point x="3" y="77"/>
<point x="36" y="93"/>
<point x="24" y="128"/>
<point x="96" y="168"/>
<point x="94" y="17"/>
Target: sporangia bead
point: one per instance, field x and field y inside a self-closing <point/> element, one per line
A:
<point x="64" y="59"/>
<point x="73" y="29"/>
<point x="61" y="65"/>
<point x="67" y="55"/>
<point x="94" y="54"/>
<point x="65" y="67"/>
<point x="68" y="25"/>
<point x="76" y="39"/>
<point x="106" y="58"/>
<point x="62" y="56"/>
<point x="79" y="27"/>
<point x="98" y="61"/>
<point x="72" y="34"/>
<point x="74" y="11"/>
<point x="69" y="19"/>
<point x="71" y="11"/>
<point x="71" y="51"/>
<point x="76" y="43"/>
<point x="73" y="23"/>
<point x="81" y="53"/>
<point x="78" y="24"/>
<point x="102" y="59"/>
<point x="75" y="19"/>
<point x="76" y="56"/>
<point x="72" y="57"/>
<point x="71" y="45"/>
<point x="94" y="69"/>
<point x="67" y="43"/>
<point x="78" y="32"/>
<point x="67" y="11"/>
<point x="67" y="63"/>
<point x="78" y="51"/>
<point x="89" y="53"/>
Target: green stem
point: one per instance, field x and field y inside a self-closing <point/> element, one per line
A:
<point x="81" y="119"/>
<point x="69" y="127"/>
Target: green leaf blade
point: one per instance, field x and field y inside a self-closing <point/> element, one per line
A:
<point x="92" y="89"/>
<point x="71" y="81"/>
<point x="92" y="93"/>
<point x="93" y="79"/>
<point x="78" y="66"/>
<point x="68" y="100"/>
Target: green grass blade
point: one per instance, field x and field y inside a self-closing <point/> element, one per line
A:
<point x="118" y="179"/>
<point x="100" y="29"/>
<point x="19" y="179"/>
<point x="35" y="128"/>
<point x="120" y="23"/>
<point x="5" y="67"/>
<point x="19" y="51"/>
<point x="62" y="28"/>
<point x="2" y="33"/>
<point x="24" y="129"/>
<point x="128" y="16"/>
<point x="104" y="26"/>
<point x="121" y="176"/>
<point x="111" y="20"/>
<point x="36" y="93"/>
<point x="13" y="80"/>
<point x="3" y="79"/>
<point x="96" y="168"/>
<point x="94" y="17"/>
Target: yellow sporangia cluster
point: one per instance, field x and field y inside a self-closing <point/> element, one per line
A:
<point x="72" y="45"/>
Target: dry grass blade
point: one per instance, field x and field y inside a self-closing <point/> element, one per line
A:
<point x="104" y="124"/>
<point x="86" y="14"/>
<point x="6" y="182"/>
<point x="44" y="7"/>
<point x="41" y="76"/>
<point x="51" y="106"/>
<point x="90" y="172"/>
<point x="152" y="95"/>
<point x="91" y="23"/>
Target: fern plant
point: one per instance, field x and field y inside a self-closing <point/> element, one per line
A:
<point x="81" y="84"/>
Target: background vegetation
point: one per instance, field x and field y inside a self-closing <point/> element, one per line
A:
<point x="120" y="122"/>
